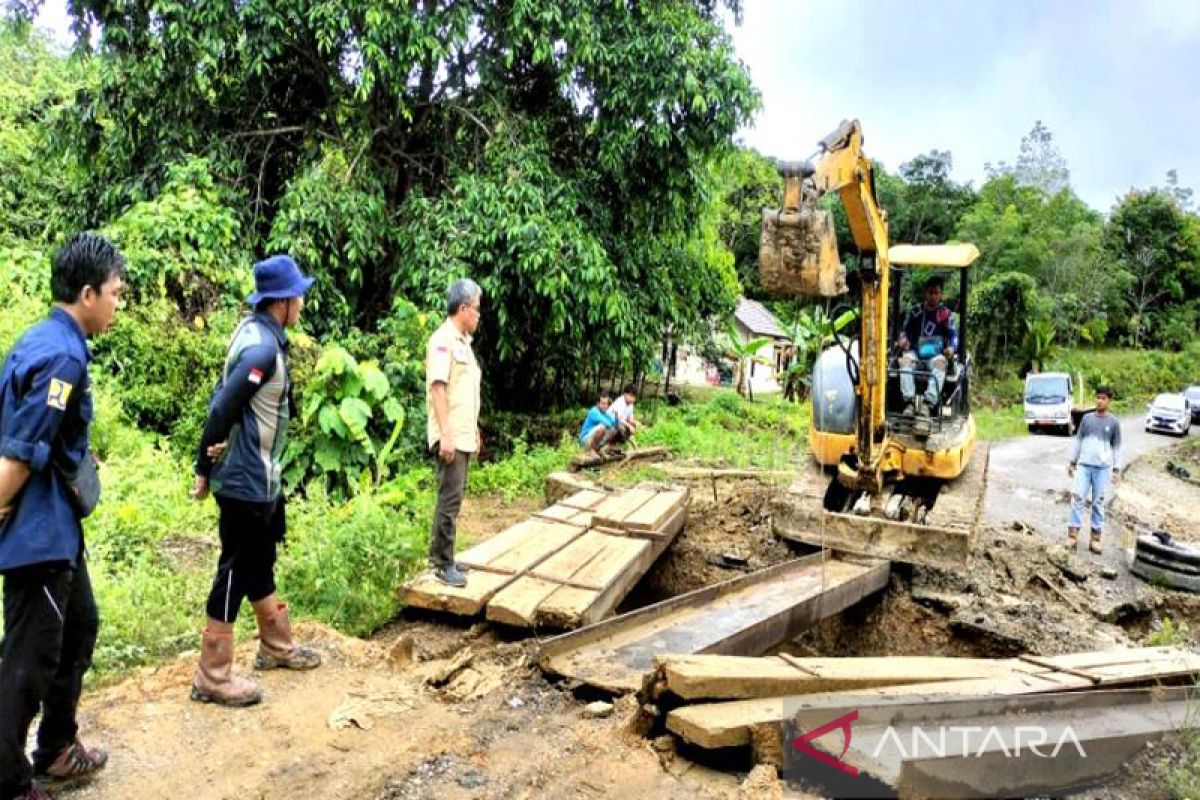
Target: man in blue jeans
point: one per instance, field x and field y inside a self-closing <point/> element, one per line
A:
<point x="1095" y="461"/>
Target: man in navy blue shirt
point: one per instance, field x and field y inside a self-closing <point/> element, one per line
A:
<point x="50" y="615"/>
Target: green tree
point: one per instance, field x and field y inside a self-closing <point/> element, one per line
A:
<point x="1039" y="164"/>
<point x="546" y="149"/>
<point x="36" y="83"/>
<point x="932" y="201"/>
<point x="745" y="183"/>
<point x="1158" y="244"/>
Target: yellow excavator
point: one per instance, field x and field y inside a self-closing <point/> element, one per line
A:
<point x="908" y="480"/>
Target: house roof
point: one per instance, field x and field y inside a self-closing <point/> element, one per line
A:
<point x="757" y="319"/>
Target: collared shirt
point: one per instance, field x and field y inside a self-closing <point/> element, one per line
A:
<point x="250" y="409"/>
<point x="45" y="412"/>
<point x="449" y="359"/>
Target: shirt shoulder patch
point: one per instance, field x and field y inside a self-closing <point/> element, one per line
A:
<point x="59" y="394"/>
<point x="255" y="376"/>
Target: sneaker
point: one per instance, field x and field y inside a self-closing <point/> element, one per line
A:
<point x="461" y="567"/>
<point x="75" y="763"/>
<point x="451" y="576"/>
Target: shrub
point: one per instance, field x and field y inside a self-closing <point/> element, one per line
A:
<point x="348" y="426"/>
<point x="184" y="244"/>
<point x="164" y="367"/>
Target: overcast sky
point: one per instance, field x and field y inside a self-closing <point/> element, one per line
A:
<point x="1117" y="83"/>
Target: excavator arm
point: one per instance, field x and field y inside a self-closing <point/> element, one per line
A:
<point x="841" y="167"/>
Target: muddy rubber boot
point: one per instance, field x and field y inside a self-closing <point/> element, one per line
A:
<point x="276" y="650"/>
<point x="1094" y="542"/>
<point x="1072" y="537"/>
<point x="215" y="681"/>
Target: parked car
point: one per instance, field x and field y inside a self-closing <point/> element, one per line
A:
<point x="1192" y="395"/>
<point x="1169" y="413"/>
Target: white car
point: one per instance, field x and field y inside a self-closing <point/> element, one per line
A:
<point x="1048" y="402"/>
<point x="1169" y="413"/>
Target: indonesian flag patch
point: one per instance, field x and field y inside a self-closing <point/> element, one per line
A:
<point x="256" y="376"/>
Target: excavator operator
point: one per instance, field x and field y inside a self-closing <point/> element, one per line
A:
<point x="928" y="337"/>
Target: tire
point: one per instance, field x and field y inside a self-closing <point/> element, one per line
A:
<point x="1032" y="430"/>
<point x="1065" y="430"/>
<point x="1168" y="552"/>
<point x="1165" y="577"/>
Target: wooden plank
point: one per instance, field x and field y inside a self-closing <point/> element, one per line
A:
<point x="613" y="511"/>
<point x="563" y="566"/>
<point x="492" y="548"/>
<point x="585" y="500"/>
<point x="618" y="556"/>
<point x="564" y="608"/>
<point x="426" y="591"/>
<point x="538" y="545"/>
<point x="517" y="603"/>
<point x="559" y="512"/>
<point x="614" y="571"/>
<point x="711" y="677"/>
<point x="611" y="596"/>
<point x="655" y="513"/>
<point x="746" y="615"/>
<point x="714" y="725"/>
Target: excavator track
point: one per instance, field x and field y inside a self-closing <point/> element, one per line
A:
<point x="944" y="539"/>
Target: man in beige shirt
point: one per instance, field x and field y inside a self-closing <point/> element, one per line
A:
<point x="452" y="379"/>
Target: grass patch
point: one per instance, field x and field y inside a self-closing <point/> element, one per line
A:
<point x="768" y="433"/>
<point x="1000" y="423"/>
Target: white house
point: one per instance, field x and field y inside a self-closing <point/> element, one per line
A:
<point x="753" y="321"/>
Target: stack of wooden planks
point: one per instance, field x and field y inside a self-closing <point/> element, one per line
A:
<point x="772" y="689"/>
<point x="568" y="565"/>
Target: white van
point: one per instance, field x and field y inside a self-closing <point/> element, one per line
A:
<point x="1049" y="404"/>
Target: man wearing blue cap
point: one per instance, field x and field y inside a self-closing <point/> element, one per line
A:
<point x="239" y="462"/>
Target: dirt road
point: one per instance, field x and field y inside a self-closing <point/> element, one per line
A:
<point x="1028" y="483"/>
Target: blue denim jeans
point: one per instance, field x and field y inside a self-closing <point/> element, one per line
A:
<point x="1089" y="481"/>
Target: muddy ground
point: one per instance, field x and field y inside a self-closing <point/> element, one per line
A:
<point x="433" y="708"/>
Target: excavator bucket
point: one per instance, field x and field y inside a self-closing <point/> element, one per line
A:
<point x="798" y="253"/>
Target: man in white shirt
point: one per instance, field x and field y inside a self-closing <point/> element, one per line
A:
<point x="622" y="411"/>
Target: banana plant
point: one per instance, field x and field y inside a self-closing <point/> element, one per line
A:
<point x="744" y="354"/>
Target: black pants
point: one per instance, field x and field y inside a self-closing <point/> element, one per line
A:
<point x="50" y="626"/>
<point x="250" y="533"/>
<point x="452" y="483"/>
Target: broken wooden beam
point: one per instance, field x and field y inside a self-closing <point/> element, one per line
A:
<point x="746" y="615"/>
<point x="589" y="460"/>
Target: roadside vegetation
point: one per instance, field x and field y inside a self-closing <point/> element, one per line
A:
<point x="595" y="224"/>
